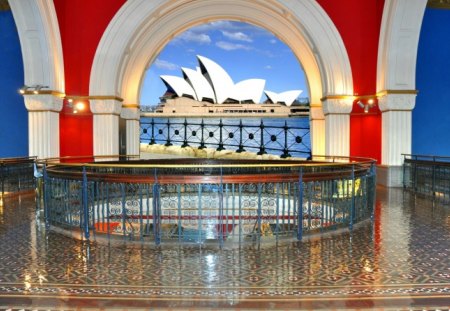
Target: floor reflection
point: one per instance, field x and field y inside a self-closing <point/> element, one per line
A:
<point x="399" y="260"/>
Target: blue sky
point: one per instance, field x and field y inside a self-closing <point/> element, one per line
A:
<point x="245" y="51"/>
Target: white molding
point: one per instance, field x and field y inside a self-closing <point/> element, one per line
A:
<point x="141" y="29"/>
<point x="129" y="113"/>
<point x="105" y="106"/>
<point x="392" y="102"/>
<point x="40" y="40"/>
<point x="337" y="106"/>
<point x="397" y="49"/>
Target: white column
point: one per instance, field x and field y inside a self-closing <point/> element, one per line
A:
<point x="337" y="126"/>
<point x="43" y="125"/>
<point x="395" y="137"/>
<point x="106" y="126"/>
<point x="317" y="125"/>
<point x="132" y="116"/>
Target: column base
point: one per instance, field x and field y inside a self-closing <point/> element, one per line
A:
<point x="390" y="176"/>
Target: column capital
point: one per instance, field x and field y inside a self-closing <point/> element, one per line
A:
<point x="397" y="102"/>
<point x="316" y="113"/>
<point x="130" y="113"/>
<point x="337" y="105"/>
<point x="43" y="102"/>
<point x="106" y="106"/>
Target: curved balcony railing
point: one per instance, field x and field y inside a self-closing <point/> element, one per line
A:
<point x="203" y="201"/>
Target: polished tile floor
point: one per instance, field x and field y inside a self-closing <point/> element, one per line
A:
<point x="401" y="260"/>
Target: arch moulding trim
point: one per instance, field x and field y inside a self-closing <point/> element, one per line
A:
<point x="40" y="41"/>
<point x="141" y="29"/>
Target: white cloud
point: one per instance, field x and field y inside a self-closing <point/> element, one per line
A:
<point x="268" y="67"/>
<point x="163" y="64"/>
<point x="194" y="36"/>
<point x="238" y="36"/>
<point x="273" y="41"/>
<point x="228" y="46"/>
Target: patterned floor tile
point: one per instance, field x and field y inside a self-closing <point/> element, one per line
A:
<point x="400" y="260"/>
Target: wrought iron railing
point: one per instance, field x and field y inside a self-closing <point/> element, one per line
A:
<point x="282" y="140"/>
<point x="427" y="175"/>
<point x="202" y="201"/>
<point x="16" y="175"/>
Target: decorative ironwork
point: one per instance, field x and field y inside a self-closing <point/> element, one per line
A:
<point x="17" y="175"/>
<point x="284" y="140"/>
<point x="197" y="201"/>
<point x="427" y="175"/>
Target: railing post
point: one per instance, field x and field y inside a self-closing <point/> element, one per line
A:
<point x="259" y="221"/>
<point x="285" y="149"/>
<point x="168" y="143"/>
<point x="152" y="139"/>
<point x="352" y="207"/>
<point x="46" y="202"/>
<point x="262" y="149"/>
<point x="85" y="205"/>
<point x="241" y="147"/>
<point x="220" y="148"/>
<point x="404" y="171"/>
<point x="300" y="206"/>
<point x="156" y="211"/>
<point x="433" y="176"/>
<point x="221" y="222"/>
<point x="202" y="140"/>
<point x="2" y="167"/>
<point x="185" y="142"/>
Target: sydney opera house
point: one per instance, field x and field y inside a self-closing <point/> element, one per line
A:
<point x="210" y="89"/>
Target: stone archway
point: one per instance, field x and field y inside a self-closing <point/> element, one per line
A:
<point x="141" y="29"/>
<point x="396" y="83"/>
<point x="40" y="41"/>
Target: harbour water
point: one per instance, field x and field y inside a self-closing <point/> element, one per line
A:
<point x="279" y="136"/>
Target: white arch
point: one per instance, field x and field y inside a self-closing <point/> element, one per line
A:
<point x="40" y="41"/>
<point x="141" y="29"/>
<point x="396" y="82"/>
<point x="399" y="39"/>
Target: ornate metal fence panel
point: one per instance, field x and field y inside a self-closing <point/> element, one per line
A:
<point x="239" y="136"/>
<point x="218" y="202"/>
<point x="16" y="175"/>
<point x="427" y="175"/>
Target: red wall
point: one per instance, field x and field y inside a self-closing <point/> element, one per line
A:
<point x="82" y="24"/>
<point x="359" y="22"/>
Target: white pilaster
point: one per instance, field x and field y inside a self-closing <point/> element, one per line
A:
<point x="337" y="126"/>
<point x="43" y="125"/>
<point x="106" y="126"/>
<point x="396" y="127"/>
<point x="132" y="117"/>
<point x="317" y="125"/>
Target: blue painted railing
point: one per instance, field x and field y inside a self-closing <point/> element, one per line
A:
<point x="208" y="201"/>
<point x="262" y="138"/>
<point x="16" y="175"/>
<point x="427" y="175"/>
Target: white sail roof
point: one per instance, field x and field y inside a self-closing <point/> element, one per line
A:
<point x="286" y="98"/>
<point x="249" y="90"/>
<point x="201" y="86"/>
<point x="211" y="82"/>
<point x="179" y="85"/>
<point x="219" y="79"/>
